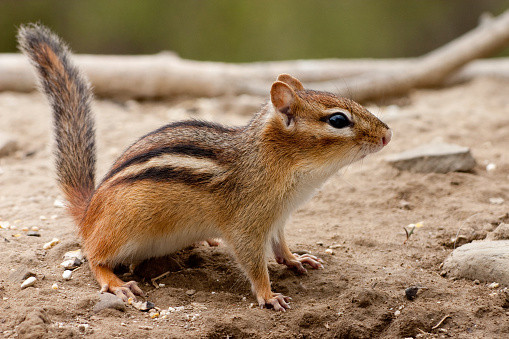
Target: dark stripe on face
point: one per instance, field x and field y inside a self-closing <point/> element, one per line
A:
<point x="168" y="174"/>
<point x="184" y="149"/>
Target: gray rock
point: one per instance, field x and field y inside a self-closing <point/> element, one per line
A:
<point x="108" y="300"/>
<point x="8" y="145"/>
<point x="434" y="158"/>
<point x="486" y="261"/>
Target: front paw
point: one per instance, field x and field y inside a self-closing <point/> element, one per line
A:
<point x="277" y="301"/>
<point x="297" y="262"/>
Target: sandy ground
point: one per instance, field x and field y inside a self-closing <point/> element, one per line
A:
<point x="360" y="212"/>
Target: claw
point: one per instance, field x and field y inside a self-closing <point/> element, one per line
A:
<point x="124" y="292"/>
<point x="278" y="302"/>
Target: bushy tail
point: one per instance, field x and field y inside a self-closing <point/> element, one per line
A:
<point x="70" y="97"/>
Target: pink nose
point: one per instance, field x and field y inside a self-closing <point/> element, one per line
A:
<point x="387" y="138"/>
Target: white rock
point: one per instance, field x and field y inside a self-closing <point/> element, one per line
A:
<point x="434" y="158"/>
<point x="59" y="203"/>
<point x="29" y="282"/>
<point x="67" y="275"/>
<point x="491" y="167"/>
<point x="497" y="201"/>
<point x="77" y="254"/>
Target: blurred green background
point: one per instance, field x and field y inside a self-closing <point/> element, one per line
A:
<point x="244" y="31"/>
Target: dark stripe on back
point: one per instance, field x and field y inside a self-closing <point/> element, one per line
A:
<point x="168" y="174"/>
<point x="194" y="124"/>
<point x="183" y="149"/>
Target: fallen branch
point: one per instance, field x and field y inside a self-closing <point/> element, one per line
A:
<point x="165" y="74"/>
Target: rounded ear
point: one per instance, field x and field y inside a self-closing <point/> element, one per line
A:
<point x="291" y="81"/>
<point x="282" y="96"/>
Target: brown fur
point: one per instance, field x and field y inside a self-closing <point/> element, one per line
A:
<point x="192" y="180"/>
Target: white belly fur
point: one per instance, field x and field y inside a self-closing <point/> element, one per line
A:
<point x="145" y="248"/>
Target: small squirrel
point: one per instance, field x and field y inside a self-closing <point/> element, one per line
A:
<point x="192" y="180"/>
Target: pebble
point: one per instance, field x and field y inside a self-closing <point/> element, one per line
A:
<point x="25" y="229"/>
<point x="67" y="275"/>
<point x="77" y="254"/>
<point x="398" y="312"/>
<point x="190" y="292"/>
<point x="50" y="244"/>
<point x="42" y="217"/>
<point x="29" y="282"/>
<point x="71" y="264"/>
<point x="82" y="328"/>
<point x="54" y="287"/>
<point x="494" y="285"/>
<point x="4" y="224"/>
<point x="335" y="246"/>
<point x="411" y="292"/>
<point x="59" y="203"/>
<point x="143" y="306"/>
<point x="13" y="227"/>
<point x="35" y="229"/>
<point x="491" y="167"/>
<point x="33" y="234"/>
<point x="329" y="251"/>
<point x="497" y="201"/>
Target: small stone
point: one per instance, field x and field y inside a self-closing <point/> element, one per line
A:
<point x="33" y="234"/>
<point x="411" y="292"/>
<point x="25" y="229"/>
<point x="82" y="328"/>
<point x="35" y="229"/>
<point x="329" y="251"/>
<point x="17" y="235"/>
<point x="494" y="285"/>
<point x="319" y="243"/>
<point x="67" y="275"/>
<point x="77" y="254"/>
<point x="28" y="282"/>
<point x="71" y="264"/>
<point x="398" y="312"/>
<point x="59" y="203"/>
<point x="491" y="167"/>
<point x="143" y="306"/>
<point x="13" y="227"/>
<point x="335" y="246"/>
<point x="50" y="244"/>
<point x="497" y="201"/>
<point x="54" y="287"/>
<point x="108" y="300"/>
<point x="434" y="158"/>
<point x="190" y="292"/>
<point x="476" y="282"/>
<point x="43" y="218"/>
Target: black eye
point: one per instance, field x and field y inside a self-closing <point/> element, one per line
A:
<point x="339" y="120"/>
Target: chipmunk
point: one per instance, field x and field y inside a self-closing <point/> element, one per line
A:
<point x="193" y="180"/>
